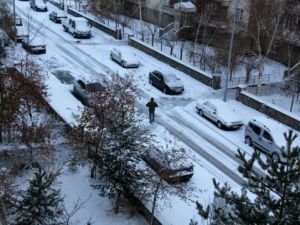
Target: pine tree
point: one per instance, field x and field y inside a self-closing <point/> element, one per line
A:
<point x="114" y="139"/>
<point x="40" y="204"/>
<point x="271" y="197"/>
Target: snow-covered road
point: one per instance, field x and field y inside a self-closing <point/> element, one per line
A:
<point x="212" y="149"/>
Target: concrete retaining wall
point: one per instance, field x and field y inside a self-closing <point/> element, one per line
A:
<point x="58" y="5"/>
<point x="263" y="107"/>
<point x="212" y="81"/>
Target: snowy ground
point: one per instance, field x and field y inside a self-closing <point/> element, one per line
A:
<point x="284" y="102"/>
<point x="211" y="150"/>
<point x="272" y="69"/>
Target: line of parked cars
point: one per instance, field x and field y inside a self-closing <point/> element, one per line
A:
<point x="261" y="133"/>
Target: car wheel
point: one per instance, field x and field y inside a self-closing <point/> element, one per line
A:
<point x="275" y="157"/>
<point x="248" y="141"/>
<point x="219" y="124"/>
<point x="200" y="111"/>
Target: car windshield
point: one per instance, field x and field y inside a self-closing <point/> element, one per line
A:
<point x="60" y="14"/>
<point x="81" y="24"/>
<point x="94" y="87"/>
<point x="171" y="78"/>
<point x="40" y="2"/>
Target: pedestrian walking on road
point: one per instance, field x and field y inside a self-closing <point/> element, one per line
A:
<point x="151" y="105"/>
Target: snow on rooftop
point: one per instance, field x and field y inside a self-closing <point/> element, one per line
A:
<point x="185" y="6"/>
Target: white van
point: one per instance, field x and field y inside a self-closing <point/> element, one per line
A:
<point x="77" y="26"/>
<point x="267" y="135"/>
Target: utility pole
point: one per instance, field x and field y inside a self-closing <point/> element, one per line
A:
<point x="15" y="28"/>
<point x="65" y="6"/>
<point x="230" y="51"/>
<point x="140" y="16"/>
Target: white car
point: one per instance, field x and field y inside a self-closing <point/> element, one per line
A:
<point x="220" y="113"/>
<point x="22" y="33"/>
<point x="124" y="57"/>
<point x="38" y="5"/>
<point x="34" y="45"/>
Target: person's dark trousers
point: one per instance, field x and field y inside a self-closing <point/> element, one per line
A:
<point x="151" y="116"/>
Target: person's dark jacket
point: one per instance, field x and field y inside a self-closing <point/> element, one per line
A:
<point x="152" y="105"/>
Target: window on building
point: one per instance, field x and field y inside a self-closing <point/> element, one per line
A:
<point x="239" y="14"/>
<point x="211" y="8"/>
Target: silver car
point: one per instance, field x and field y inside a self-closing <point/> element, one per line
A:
<point x="85" y="89"/>
<point x="267" y="135"/>
<point x="220" y="113"/>
<point x="124" y="58"/>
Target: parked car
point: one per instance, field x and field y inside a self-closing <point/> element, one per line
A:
<point x="85" y="89"/>
<point x="124" y="57"/>
<point x="77" y="26"/>
<point x="176" y="172"/>
<point x="220" y="113"/>
<point x="267" y="135"/>
<point x="22" y="33"/>
<point x="34" y="45"/>
<point x="18" y="21"/>
<point x="38" y="5"/>
<point x="166" y="82"/>
<point x="57" y="16"/>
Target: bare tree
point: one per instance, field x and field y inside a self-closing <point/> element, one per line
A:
<point x="222" y="56"/>
<point x="170" y="39"/>
<point x="9" y="104"/>
<point x="69" y="214"/>
<point x="264" y="30"/>
<point x="204" y="19"/>
<point x="250" y="63"/>
<point x="101" y="8"/>
<point x="153" y="30"/>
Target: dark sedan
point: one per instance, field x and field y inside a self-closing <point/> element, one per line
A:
<point x="171" y="172"/>
<point x="167" y="83"/>
<point x="57" y="16"/>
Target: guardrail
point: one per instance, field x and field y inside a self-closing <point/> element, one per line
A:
<point x="213" y="81"/>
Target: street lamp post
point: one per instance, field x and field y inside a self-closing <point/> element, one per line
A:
<point x="14" y="21"/>
<point x="230" y="51"/>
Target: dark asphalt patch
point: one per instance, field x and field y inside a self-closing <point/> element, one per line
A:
<point x="64" y="76"/>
